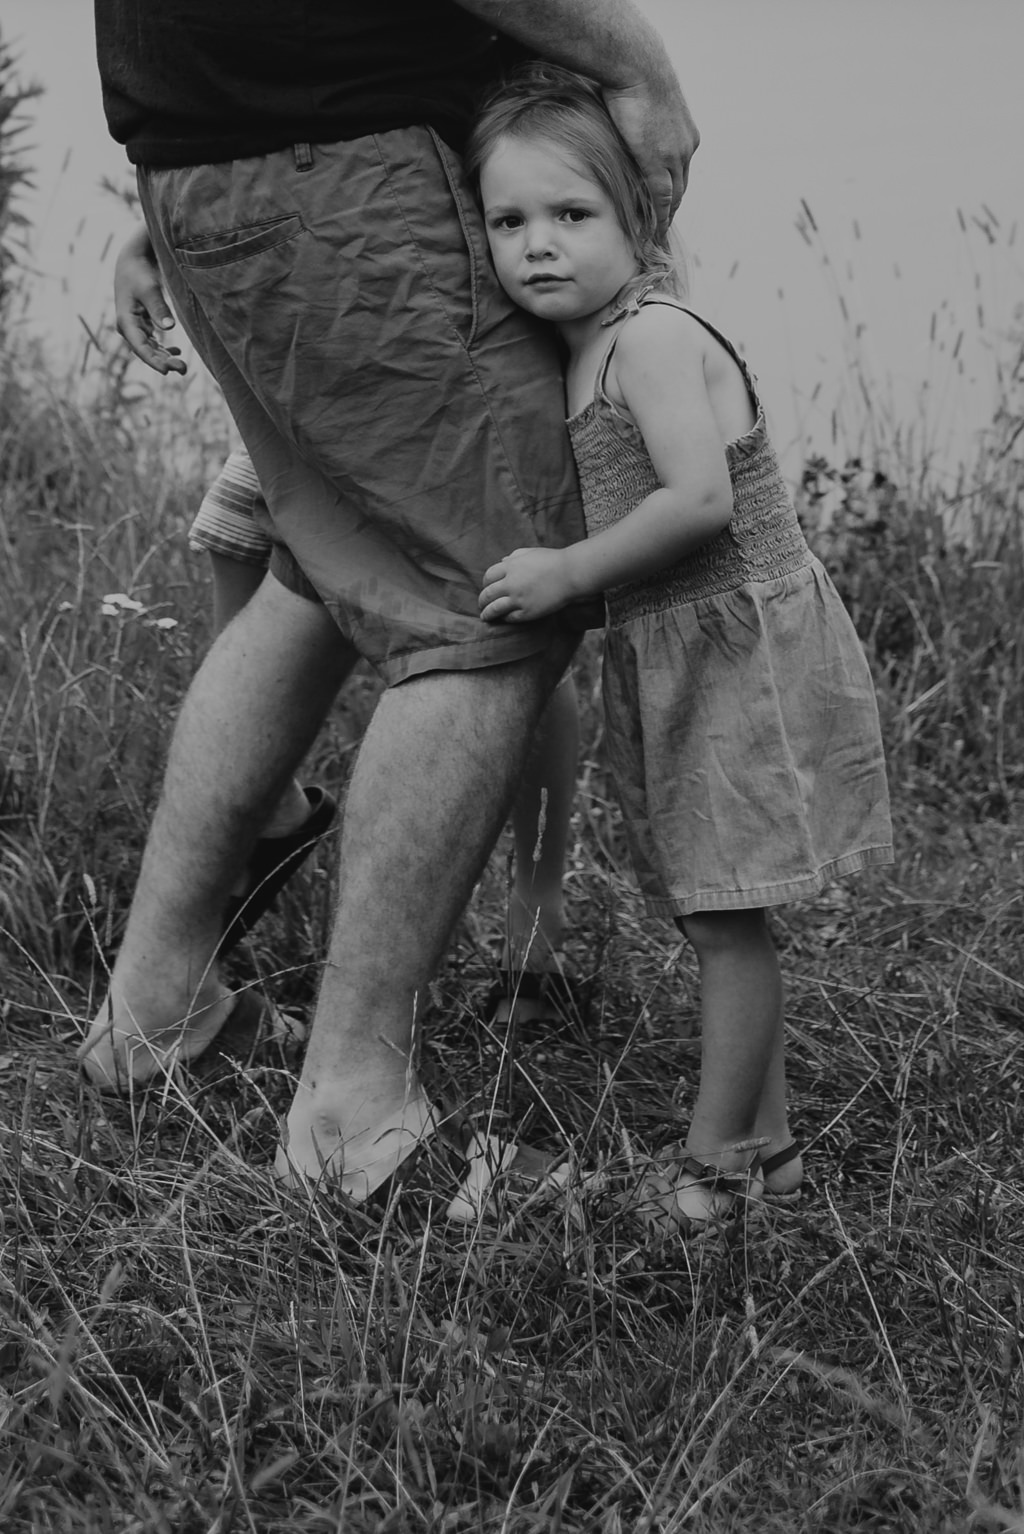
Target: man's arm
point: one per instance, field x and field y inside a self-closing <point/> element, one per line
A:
<point x="615" y="44"/>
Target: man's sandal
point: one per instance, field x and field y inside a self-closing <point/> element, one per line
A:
<point x="135" y="1064"/>
<point x="426" y="1147"/>
<point x="369" y="1166"/>
<point x="273" y="862"/>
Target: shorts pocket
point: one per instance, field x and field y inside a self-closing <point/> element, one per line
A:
<point x="227" y="246"/>
<point x="469" y="220"/>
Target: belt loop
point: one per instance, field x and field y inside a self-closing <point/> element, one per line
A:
<point x="303" y="156"/>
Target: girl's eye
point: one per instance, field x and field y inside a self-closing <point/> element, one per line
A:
<point x="576" y="215"/>
<point x="507" y="221"/>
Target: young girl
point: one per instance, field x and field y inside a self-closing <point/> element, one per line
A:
<point x="741" y="718"/>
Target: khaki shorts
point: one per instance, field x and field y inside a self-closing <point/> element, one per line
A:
<point x="405" y="421"/>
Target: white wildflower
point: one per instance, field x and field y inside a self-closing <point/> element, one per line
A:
<point x="118" y="602"/>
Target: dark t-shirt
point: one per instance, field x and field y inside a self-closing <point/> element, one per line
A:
<point x="193" y="82"/>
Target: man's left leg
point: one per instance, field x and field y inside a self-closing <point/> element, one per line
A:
<point x="439" y="766"/>
<point x="252" y="712"/>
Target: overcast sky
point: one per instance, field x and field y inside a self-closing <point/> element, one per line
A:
<point x="885" y="115"/>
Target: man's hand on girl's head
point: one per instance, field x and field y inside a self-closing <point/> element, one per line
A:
<point x="663" y="137"/>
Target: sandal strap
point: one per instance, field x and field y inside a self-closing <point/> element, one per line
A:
<point x="273" y="861"/>
<point x="781" y="1158"/>
<point x="554" y="988"/>
<point x="715" y="1178"/>
<point x="524" y="985"/>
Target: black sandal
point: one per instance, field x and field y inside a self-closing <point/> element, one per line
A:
<point x="770" y="1164"/>
<point x="551" y="996"/>
<point x="274" y="860"/>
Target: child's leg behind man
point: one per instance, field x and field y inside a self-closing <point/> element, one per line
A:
<point x="230" y="528"/>
<point x="234" y="583"/>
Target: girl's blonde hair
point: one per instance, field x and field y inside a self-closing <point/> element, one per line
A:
<point x="541" y="100"/>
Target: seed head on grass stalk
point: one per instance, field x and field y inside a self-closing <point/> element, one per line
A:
<point x="15" y="175"/>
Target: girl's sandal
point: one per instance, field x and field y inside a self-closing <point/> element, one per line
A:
<point x="772" y="1164"/>
<point x="709" y="1196"/>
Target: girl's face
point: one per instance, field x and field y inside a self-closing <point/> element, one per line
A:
<point x="555" y="237"/>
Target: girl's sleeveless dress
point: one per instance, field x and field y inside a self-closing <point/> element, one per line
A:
<point x="740" y="713"/>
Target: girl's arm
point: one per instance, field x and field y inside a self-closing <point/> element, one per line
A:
<point x="140" y="309"/>
<point x="658" y="377"/>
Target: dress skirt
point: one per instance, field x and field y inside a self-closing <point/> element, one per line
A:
<point x="744" y="738"/>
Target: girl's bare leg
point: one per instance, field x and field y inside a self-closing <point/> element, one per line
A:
<point x="742" y="1094"/>
<point x="235" y="582"/>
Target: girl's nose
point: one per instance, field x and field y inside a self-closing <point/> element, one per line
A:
<point x="538" y="243"/>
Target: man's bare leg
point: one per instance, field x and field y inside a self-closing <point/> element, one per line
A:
<point x="541" y="821"/>
<point x="252" y="712"/>
<point x="437" y="771"/>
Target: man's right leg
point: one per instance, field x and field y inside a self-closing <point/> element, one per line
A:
<point x="253" y="710"/>
<point x="439" y="766"/>
<point x="541" y="822"/>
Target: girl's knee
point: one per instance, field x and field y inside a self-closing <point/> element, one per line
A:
<point x="719" y="931"/>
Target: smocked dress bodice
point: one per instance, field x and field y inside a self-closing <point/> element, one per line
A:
<point x="762" y="540"/>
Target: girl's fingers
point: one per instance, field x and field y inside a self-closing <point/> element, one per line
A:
<point x="491" y="599"/>
<point x="495" y="600"/>
<point x="501" y="609"/>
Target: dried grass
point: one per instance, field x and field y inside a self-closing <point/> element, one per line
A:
<point x="187" y="1347"/>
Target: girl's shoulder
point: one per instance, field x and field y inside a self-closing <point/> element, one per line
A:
<point x="662" y="334"/>
<point x="666" y="320"/>
<point x="665" y="345"/>
<point x="655" y="323"/>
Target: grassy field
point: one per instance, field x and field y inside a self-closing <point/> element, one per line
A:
<point x="186" y="1347"/>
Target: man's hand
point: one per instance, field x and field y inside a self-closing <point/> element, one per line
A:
<point x="140" y="308"/>
<point x="527" y="584"/>
<point x="658" y="127"/>
<point x="614" y="43"/>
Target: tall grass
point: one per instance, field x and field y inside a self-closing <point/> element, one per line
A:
<point x="187" y="1347"/>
